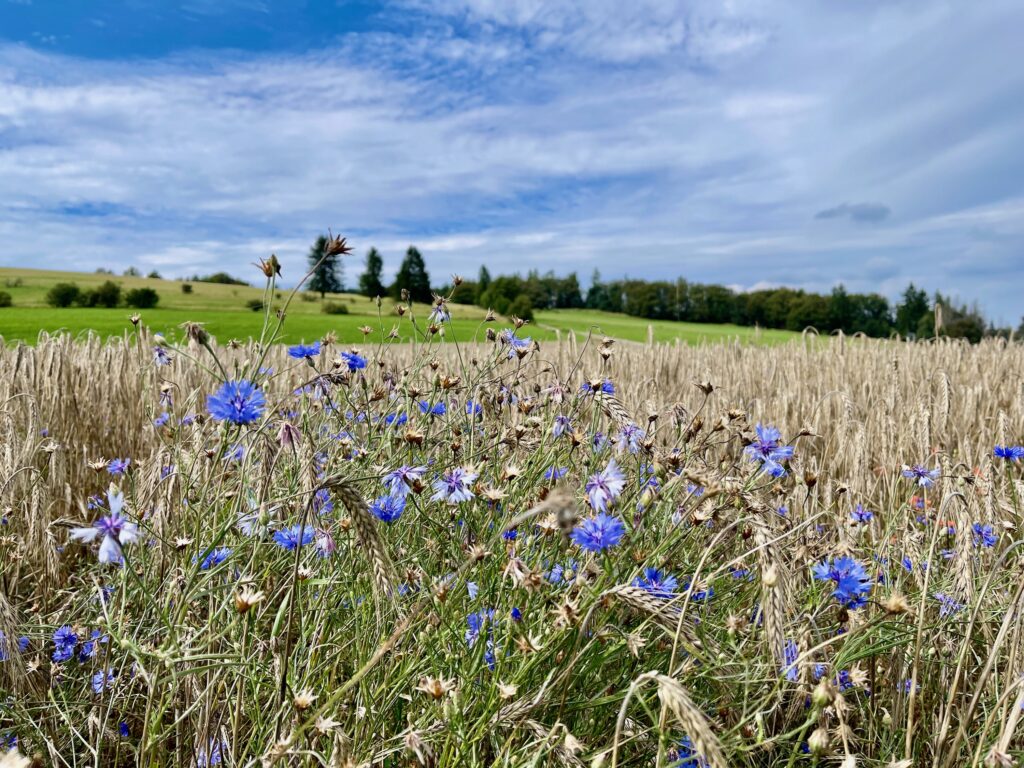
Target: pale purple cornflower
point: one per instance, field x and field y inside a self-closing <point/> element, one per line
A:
<point x="516" y="346"/>
<point x="454" y="486"/>
<point x="103" y="680"/>
<point x="768" y="451"/>
<point x="861" y="515"/>
<point x="402" y="480"/>
<point x="947" y="605"/>
<point x="325" y="544"/>
<point x="114" y="529"/>
<point x="117" y="467"/>
<point x="630" y="437"/>
<point x="561" y="426"/>
<point x="924" y="477"/>
<point x="439" y="315"/>
<point x="605" y="486"/>
<point x="160" y="356"/>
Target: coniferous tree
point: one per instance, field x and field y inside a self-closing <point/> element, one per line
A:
<point x="483" y="280"/>
<point x="412" y="275"/>
<point x="370" y="282"/>
<point x="912" y="313"/>
<point x="327" y="276"/>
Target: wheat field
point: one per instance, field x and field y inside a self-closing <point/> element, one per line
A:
<point x="514" y="554"/>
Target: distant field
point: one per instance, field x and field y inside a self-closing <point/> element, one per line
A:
<point x="582" y="321"/>
<point x="222" y="308"/>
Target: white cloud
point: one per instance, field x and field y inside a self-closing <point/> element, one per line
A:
<point x="657" y="138"/>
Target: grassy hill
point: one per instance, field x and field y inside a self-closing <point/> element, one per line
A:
<point x="223" y="310"/>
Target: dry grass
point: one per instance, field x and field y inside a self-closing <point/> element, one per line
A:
<point x="598" y="670"/>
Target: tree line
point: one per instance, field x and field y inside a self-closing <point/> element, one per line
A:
<point x="914" y="315"/>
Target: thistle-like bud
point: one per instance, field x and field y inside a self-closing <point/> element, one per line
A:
<point x="819" y="742"/>
<point x="336" y="246"/>
<point x="288" y="435"/>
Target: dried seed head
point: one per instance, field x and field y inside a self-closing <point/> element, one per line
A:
<point x="435" y="687"/>
<point x="896" y="604"/>
<point x="303" y="700"/>
<point x="819" y="742"/>
<point x="246" y="598"/>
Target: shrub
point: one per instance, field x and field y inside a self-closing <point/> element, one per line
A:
<point x="154" y="275"/>
<point x="256" y="305"/>
<point x="334" y="308"/>
<point x="522" y="307"/>
<point x="63" y="295"/>
<point x="15" y="282"/>
<point x="5" y="299"/>
<point x="142" y="298"/>
<point x="186" y="287"/>
<point x="309" y="297"/>
<point x="106" y="295"/>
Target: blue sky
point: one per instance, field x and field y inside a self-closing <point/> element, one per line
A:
<point x="746" y="142"/>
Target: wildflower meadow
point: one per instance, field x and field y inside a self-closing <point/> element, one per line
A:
<point x="509" y="553"/>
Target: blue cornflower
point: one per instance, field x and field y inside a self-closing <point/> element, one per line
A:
<point x="700" y="594"/>
<point x="454" y="486"/>
<point x="1009" y="452"/>
<point x="296" y="536"/>
<point x="103" y="680"/>
<point x="123" y="730"/>
<point x="984" y="536"/>
<point x="214" y="558"/>
<point x="404" y="479"/>
<point x="396" y="419"/>
<point x="64" y="642"/>
<point x="162" y="419"/>
<point x="768" y="450"/>
<point x="160" y="356"/>
<point x="861" y="515"/>
<point x="947" y="605"/>
<point x="117" y="467"/>
<point x="561" y="426"/>
<point x="114" y="529"/>
<point x="851" y="579"/>
<point x="239" y="402"/>
<point x="476" y="623"/>
<point x="605" y="486"/>
<point x="516" y="614"/>
<point x="388" y="508"/>
<point x="923" y="477"/>
<point x="437" y="409"/>
<point x="555" y="473"/>
<point x="605" y="385"/>
<point x="687" y="756"/>
<point x="88" y="649"/>
<point x="353" y="361"/>
<point x="790" y="652"/>
<point x="657" y="583"/>
<point x="563" y="574"/>
<point x="473" y="409"/>
<point x="304" y="351"/>
<point x="598" y="533"/>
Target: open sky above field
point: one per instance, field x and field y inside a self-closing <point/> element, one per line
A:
<point x="752" y="143"/>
